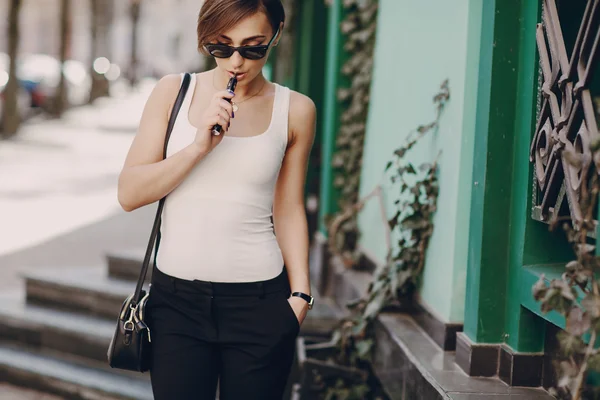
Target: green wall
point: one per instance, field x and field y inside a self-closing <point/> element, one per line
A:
<point x="412" y="58"/>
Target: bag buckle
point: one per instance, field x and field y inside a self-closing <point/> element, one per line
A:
<point x="129" y="325"/>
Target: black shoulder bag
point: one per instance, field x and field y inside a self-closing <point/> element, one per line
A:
<point x="130" y="347"/>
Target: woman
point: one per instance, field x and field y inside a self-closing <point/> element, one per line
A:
<point x="220" y="308"/>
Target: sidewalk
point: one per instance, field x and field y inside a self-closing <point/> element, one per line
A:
<point x="9" y="392"/>
<point x="58" y="203"/>
<point x="58" y="175"/>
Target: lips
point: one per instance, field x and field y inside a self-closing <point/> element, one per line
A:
<point x="239" y="74"/>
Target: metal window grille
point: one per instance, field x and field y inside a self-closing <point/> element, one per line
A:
<point x="566" y="121"/>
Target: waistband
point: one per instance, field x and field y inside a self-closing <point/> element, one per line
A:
<point x="257" y="288"/>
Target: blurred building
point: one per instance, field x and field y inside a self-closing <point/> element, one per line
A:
<point x="167" y="32"/>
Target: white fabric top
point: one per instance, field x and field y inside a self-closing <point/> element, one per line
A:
<point x="216" y="225"/>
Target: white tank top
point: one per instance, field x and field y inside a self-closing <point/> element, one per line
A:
<point x="216" y="225"/>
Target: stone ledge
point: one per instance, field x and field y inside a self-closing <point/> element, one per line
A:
<point x="408" y="363"/>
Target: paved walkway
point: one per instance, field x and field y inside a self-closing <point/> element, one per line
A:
<point x="57" y="175"/>
<point x="60" y="175"/>
<point x="58" y="205"/>
<point x="8" y="392"/>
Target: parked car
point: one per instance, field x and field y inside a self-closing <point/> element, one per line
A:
<point x="45" y="71"/>
<point x="39" y="77"/>
<point x="29" y="92"/>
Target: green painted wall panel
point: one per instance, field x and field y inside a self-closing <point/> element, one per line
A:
<point x="406" y="75"/>
<point x="331" y="110"/>
<point x="310" y="75"/>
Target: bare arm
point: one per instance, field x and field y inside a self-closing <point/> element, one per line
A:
<point x="289" y="214"/>
<point x="146" y="177"/>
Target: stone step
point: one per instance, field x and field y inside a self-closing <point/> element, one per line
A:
<point x="126" y="264"/>
<point x="68" y="332"/>
<point x="86" y="290"/>
<point x="89" y="290"/>
<point x="323" y="319"/>
<point x="29" y="369"/>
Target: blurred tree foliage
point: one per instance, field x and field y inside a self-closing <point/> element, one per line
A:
<point x="11" y="118"/>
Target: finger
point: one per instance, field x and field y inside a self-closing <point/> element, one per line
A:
<point x="224" y="124"/>
<point x="227" y="106"/>
<point x="224" y="114"/>
<point x="224" y="94"/>
<point x="217" y="120"/>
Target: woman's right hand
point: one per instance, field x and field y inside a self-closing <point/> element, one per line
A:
<point x="218" y="112"/>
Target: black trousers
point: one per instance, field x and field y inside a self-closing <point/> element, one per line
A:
<point x="241" y="335"/>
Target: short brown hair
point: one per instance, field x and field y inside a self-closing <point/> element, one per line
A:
<point x="217" y="16"/>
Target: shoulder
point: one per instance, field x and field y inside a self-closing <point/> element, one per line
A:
<point x="301" y="106"/>
<point x="168" y="84"/>
<point x="165" y="91"/>
<point x="302" y="114"/>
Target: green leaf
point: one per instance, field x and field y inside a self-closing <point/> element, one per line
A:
<point x="392" y="222"/>
<point x="374" y="306"/>
<point x="358" y="329"/>
<point x="363" y="347"/>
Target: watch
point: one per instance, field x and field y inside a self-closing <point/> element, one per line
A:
<point x="309" y="299"/>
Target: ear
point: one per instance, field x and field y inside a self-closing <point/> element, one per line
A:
<point x="278" y="38"/>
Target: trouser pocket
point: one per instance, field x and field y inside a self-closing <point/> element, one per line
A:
<point x="291" y="315"/>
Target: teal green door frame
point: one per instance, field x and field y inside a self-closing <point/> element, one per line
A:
<point x="534" y="249"/>
<point x="309" y="74"/>
<point x="507" y="255"/>
<point x="489" y="239"/>
<point x="331" y="111"/>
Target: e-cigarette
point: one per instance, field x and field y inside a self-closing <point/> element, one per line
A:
<point x="216" y="130"/>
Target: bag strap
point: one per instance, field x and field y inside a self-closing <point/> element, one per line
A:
<point x="156" y="227"/>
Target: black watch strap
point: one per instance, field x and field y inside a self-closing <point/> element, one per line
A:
<point x="309" y="299"/>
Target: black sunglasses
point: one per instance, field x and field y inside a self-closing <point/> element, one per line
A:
<point x="249" y="52"/>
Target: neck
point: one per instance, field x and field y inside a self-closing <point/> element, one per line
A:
<point x="243" y="89"/>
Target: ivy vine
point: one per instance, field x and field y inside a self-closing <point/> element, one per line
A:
<point x="395" y="280"/>
<point x="359" y="27"/>
<point x="411" y="224"/>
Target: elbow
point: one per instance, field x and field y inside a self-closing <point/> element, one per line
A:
<point x="124" y="197"/>
<point x="126" y="203"/>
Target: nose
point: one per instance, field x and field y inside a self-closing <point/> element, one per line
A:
<point x="236" y="60"/>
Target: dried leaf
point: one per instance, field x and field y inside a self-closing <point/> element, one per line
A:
<point x="578" y="322"/>
<point x="540" y="288"/>
<point x="573" y="266"/>
<point x="591" y="303"/>
<point x="570" y="344"/>
<point x="594" y="362"/>
<point x="586" y="248"/>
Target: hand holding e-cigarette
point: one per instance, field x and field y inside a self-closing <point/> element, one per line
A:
<point x="230" y="88"/>
<point x="215" y="120"/>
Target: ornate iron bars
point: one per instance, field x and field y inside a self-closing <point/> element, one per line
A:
<point x="566" y="123"/>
